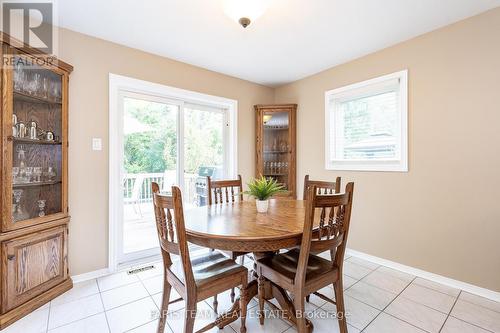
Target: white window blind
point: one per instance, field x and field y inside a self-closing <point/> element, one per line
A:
<point x="366" y="125"/>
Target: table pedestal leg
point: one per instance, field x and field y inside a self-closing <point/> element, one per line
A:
<point x="286" y="305"/>
<point x="284" y="301"/>
<point x="234" y="312"/>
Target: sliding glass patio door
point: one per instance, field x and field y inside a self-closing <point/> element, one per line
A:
<point x="204" y="150"/>
<point x="168" y="142"/>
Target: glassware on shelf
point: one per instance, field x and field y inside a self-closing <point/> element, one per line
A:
<point x="21" y="156"/>
<point x="28" y="171"/>
<point x="24" y="84"/>
<point x="55" y="89"/>
<point x="37" y="84"/>
<point x="21" y="177"/>
<point x="275" y="167"/>
<point x="37" y="174"/>
<point x="20" y="84"/>
<point x="41" y="207"/>
<point x="17" y="196"/>
<point x="34" y="83"/>
<point x="29" y="86"/>
<point x="50" y="174"/>
<point x="49" y="136"/>
<point x="15" y="174"/>
<point x="21" y="129"/>
<point x="18" y="213"/>
<point x="14" y="125"/>
<point x="45" y="88"/>
<point x="33" y="130"/>
<point x="283" y="146"/>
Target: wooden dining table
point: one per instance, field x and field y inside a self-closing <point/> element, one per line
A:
<point x="237" y="227"/>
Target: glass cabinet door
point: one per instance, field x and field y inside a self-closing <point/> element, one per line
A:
<point x="276" y="145"/>
<point x="276" y="141"/>
<point x="37" y="150"/>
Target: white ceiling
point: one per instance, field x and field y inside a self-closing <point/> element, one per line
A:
<point x="293" y="39"/>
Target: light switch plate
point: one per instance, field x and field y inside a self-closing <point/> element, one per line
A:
<point x="96" y="144"/>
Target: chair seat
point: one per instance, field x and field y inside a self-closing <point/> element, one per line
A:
<point x="209" y="268"/>
<point x="285" y="265"/>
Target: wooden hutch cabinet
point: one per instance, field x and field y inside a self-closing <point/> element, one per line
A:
<point x="34" y="180"/>
<point x="276" y="144"/>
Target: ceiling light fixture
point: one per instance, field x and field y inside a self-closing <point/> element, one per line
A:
<point x="245" y="11"/>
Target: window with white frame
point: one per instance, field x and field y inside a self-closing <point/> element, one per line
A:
<point x="366" y="125"/>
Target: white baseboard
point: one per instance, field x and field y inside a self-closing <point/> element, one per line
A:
<point x="90" y="275"/>
<point x="486" y="293"/>
<point x="135" y="264"/>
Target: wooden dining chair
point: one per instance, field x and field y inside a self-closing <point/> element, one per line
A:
<point x="226" y="191"/>
<point x="220" y="191"/>
<point x="323" y="187"/>
<point x="302" y="273"/>
<point x="194" y="279"/>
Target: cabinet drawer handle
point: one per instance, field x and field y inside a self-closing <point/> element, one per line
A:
<point x="11" y="257"/>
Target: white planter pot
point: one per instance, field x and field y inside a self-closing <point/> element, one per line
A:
<point x="262" y="205"/>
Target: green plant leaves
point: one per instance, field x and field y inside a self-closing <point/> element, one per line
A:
<point x="263" y="188"/>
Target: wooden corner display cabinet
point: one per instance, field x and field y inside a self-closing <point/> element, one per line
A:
<point x="276" y="144"/>
<point x="34" y="180"/>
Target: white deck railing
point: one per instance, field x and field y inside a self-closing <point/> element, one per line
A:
<point x="134" y="192"/>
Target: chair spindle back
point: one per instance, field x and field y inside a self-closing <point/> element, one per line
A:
<point x="322" y="187"/>
<point x="220" y="191"/>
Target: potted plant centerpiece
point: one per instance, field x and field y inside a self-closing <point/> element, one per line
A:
<point x="262" y="189"/>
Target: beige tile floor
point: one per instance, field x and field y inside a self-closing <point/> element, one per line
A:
<point x="378" y="299"/>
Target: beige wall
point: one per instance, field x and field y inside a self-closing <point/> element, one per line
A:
<point x="443" y="216"/>
<point x="93" y="60"/>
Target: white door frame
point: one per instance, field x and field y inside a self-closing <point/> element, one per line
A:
<point x="122" y="85"/>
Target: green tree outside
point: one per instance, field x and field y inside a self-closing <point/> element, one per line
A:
<point x="151" y="137"/>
